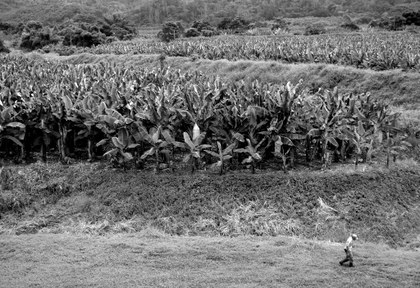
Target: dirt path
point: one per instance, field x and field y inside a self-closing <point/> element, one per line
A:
<point x="154" y="260"/>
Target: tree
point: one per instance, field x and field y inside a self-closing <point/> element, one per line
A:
<point x="171" y="31"/>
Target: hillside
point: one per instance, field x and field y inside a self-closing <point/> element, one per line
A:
<point x="153" y="12"/>
<point x="380" y="205"/>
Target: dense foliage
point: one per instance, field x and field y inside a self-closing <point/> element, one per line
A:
<point x="236" y="24"/>
<point x="378" y="51"/>
<point x="315" y="29"/>
<point x="35" y="35"/>
<point x="152" y="12"/>
<point x="133" y="114"/>
<point x="171" y="31"/>
<point x="3" y="49"/>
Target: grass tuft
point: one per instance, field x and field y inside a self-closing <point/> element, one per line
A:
<point x="257" y="218"/>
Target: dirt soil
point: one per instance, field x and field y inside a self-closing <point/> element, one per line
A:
<point x="151" y="259"/>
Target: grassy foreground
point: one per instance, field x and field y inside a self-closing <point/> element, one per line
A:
<point x="151" y="259"/>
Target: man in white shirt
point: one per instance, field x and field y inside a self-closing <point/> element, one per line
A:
<point x="348" y="249"/>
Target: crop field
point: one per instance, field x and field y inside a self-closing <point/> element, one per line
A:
<point x="135" y="114"/>
<point x="199" y="179"/>
<point x="377" y="51"/>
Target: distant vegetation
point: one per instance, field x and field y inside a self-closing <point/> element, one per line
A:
<point x="3" y="49"/>
<point x="76" y="32"/>
<point x="155" y="12"/>
<point x="89" y="23"/>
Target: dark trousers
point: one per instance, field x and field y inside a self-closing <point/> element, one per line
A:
<point x="349" y="258"/>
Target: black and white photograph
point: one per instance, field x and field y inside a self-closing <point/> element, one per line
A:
<point x="209" y="143"/>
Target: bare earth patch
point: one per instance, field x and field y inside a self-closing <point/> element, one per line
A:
<point x="152" y="259"/>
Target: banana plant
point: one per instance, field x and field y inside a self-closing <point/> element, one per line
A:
<point x="363" y="141"/>
<point x="283" y="148"/>
<point x="14" y="132"/>
<point x="395" y="145"/>
<point x="223" y="155"/>
<point x="254" y="156"/>
<point x="11" y="129"/>
<point x="194" y="146"/>
<point x="121" y="145"/>
<point x="159" y="145"/>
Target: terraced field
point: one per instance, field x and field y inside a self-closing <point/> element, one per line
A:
<point x="231" y="161"/>
<point x="377" y="51"/>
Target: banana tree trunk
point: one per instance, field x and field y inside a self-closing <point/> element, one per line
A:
<point x="308" y="149"/>
<point x="356" y="162"/>
<point x="388" y="149"/>
<point x="157" y="160"/>
<point x="343" y="150"/>
<point x="44" y="151"/>
<point x="292" y="156"/>
<point x="90" y="149"/>
<point x="62" y="141"/>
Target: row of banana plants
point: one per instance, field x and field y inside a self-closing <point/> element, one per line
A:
<point x="136" y="116"/>
<point x="378" y="51"/>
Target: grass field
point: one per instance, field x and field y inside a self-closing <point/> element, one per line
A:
<point x="152" y="259"/>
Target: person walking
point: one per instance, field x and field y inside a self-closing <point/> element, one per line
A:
<point x="349" y="250"/>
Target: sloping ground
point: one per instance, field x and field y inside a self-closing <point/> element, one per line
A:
<point x="150" y="259"/>
<point x="398" y="88"/>
<point x="380" y="205"/>
<point x="394" y="86"/>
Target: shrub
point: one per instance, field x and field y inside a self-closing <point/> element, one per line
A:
<point x="224" y="24"/>
<point x="239" y="24"/>
<point x="208" y="33"/>
<point x="391" y="23"/>
<point x="236" y="24"/>
<point x="82" y="36"/>
<point x="350" y="26"/>
<point x="33" y="25"/>
<point x="117" y="26"/>
<point x="280" y="23"/>
<point x="202" y="25"/>
<point x="3" y="49"/>
<point x="412" y="18"/>
<point x="315" y="29"/>
<point x="9" y="28"/>
<point x="192" y="32"/>
<point x="34" y="36"/>
<point x="259" y="24"/>
<point x="171" y="31"/>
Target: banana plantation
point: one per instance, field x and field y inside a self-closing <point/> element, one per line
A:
<point x="164" y="119"/>
<point x="377" y="51"/>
